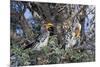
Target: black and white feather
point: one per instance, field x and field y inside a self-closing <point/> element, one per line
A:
<point x="39" y="42"/>
<point x="43" y="41"/>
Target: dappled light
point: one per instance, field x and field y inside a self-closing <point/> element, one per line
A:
<point x="51" y="33"/>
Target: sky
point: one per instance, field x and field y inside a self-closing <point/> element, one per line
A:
<point x="27" y="14"/>
<point x="88" y="21"/>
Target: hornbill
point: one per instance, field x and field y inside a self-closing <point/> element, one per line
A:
<point x="72" y="38"/>
<point x="42" y="39"/>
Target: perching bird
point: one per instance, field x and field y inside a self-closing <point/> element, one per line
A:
<point x="42" y="39"/>
<point x="73" y="38"/>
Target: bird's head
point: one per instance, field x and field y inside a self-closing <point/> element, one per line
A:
<point x="77" y="29"/>
<point x="49" y="27"/>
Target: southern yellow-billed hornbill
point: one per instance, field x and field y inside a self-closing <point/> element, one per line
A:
<point x="42" y="39"/>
